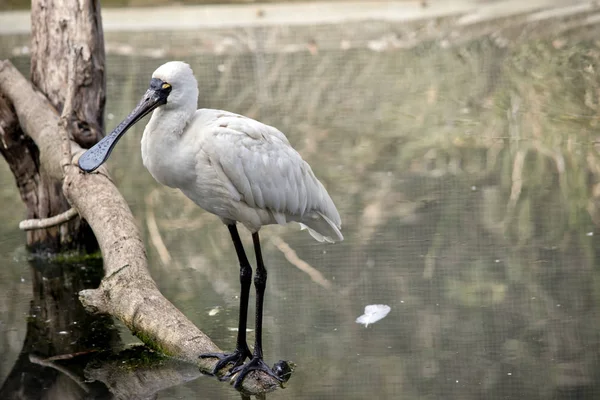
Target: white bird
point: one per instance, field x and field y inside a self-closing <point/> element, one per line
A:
<point x="232" y="166"/>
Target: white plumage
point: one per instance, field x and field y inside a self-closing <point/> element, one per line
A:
<point x="233" y="166"/>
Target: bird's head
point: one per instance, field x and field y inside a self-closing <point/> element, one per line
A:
<point x="172" y="85"/>
<point x="175" y="84"/>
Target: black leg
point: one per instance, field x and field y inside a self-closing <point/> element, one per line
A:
<point x="245" y="283"/>
<point x="260" y="283"/>
<point x="241" y="351"/>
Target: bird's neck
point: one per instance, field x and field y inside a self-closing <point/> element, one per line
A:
<point x="169" y="122"/>
<point x="161" y="145"/>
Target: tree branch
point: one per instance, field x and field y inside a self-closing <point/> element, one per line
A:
<point x="31" y="224"/>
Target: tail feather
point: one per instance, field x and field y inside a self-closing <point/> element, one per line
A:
<point x="322" y="228"/>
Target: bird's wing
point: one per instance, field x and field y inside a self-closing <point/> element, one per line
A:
<point x="257" y="163"/>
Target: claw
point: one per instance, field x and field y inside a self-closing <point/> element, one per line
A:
<point x="236" y="358"/>
<point x="255" y="364"/>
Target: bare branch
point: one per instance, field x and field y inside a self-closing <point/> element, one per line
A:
<point x="31" y="224"/>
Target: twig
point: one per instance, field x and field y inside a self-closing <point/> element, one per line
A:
<point x="302" y="265"/>
<point x="31" y="224"/>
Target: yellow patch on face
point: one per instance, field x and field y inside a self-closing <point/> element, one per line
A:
<point x="166" y="86"/>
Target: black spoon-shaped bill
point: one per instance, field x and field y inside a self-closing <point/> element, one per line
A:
<point x="99" y="153"/>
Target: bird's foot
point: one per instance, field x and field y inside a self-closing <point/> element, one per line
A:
<point x="236" y="358"/>
<point x="255" y="364"/>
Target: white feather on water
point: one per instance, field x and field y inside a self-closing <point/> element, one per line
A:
<point x="373" y="313"/>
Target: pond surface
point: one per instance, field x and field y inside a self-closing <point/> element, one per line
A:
<point x="468" y="182"/>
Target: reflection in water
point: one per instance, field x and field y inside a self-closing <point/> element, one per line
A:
<point x="468" y="182"/>
<point x="61" y="337"/>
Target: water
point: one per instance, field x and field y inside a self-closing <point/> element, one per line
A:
<point x="467" y="180"/>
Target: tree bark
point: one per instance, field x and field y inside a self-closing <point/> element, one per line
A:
<point x="127" y="291"/>
<point x="22" y="156"/>
<point x="57" y="28"/>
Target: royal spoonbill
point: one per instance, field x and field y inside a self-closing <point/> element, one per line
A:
<point x="234" y="167"/>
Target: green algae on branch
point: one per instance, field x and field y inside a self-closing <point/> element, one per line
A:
<point x="76" y="257"/>
<point x="140" y="356"/>
<point x="149" y="342"/>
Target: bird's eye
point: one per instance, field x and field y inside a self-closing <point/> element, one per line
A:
<point x="166" y="86"/>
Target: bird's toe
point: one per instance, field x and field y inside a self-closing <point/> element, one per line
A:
<point x="236" y="358"/>
<point x="255" y="364"/>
